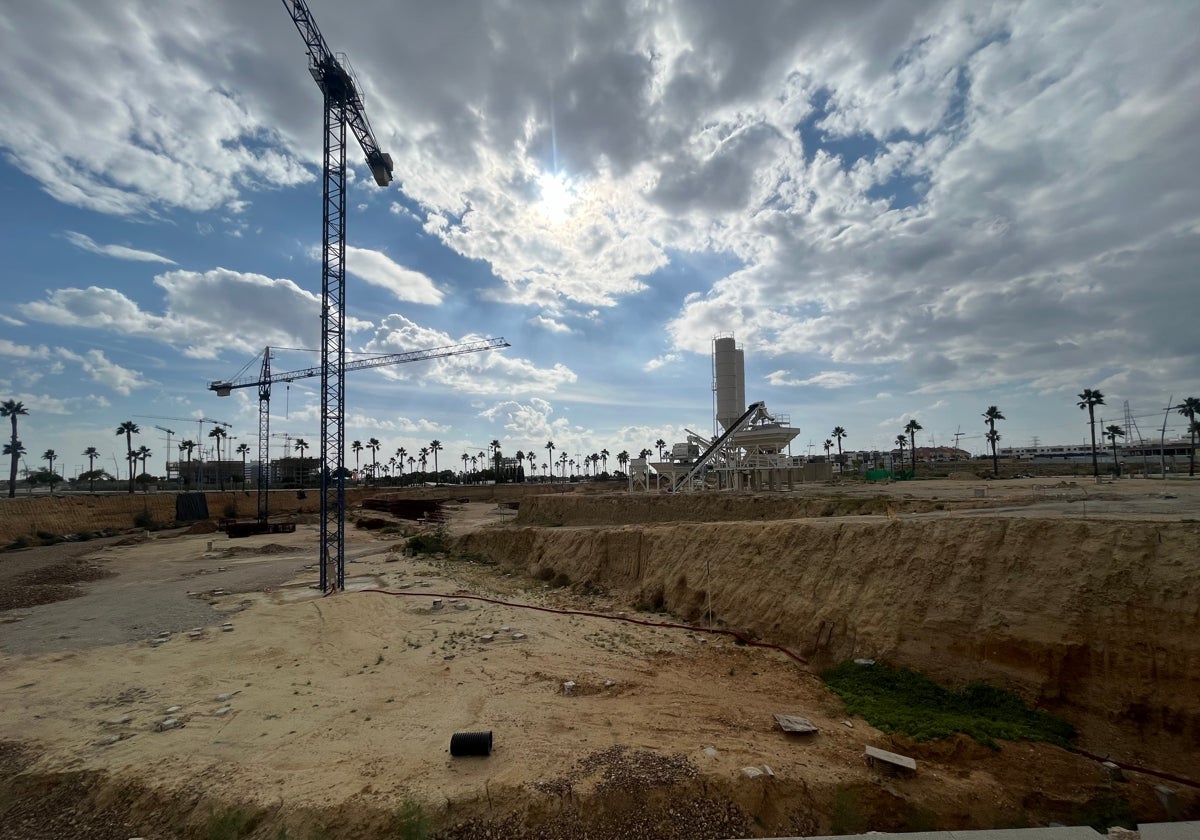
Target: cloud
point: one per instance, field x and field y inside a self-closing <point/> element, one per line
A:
<point x="660" y="361"/>
<point x="378" y="269"/>
<point x="549" y="324"/>
<point x="489" y="372"/>
<point x="121" y="252"/>
<point x="204" y="313"/>
<point x="825" y="379"/>
<point x="23" y="351"/>
<point x="8" y="319"/>
<point x="120" y="379"/>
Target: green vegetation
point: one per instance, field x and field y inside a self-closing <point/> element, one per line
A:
<point x="412" y="823"/>
<point x="230" y="823"/>
<point x="900" y="700"/>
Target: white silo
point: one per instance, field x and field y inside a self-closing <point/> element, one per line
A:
<point x="729" y="380"/>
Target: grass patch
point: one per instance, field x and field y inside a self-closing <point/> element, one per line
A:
<point x="230" y="824"/>
<point x="411" y="823"/>
<point x="901" y="700"/>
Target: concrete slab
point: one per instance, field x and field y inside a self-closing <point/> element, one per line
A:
<point x="1170" y="831"/>
<point x="1079" y="832"/>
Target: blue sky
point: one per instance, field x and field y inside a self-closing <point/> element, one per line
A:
<point x="901" y="210"/>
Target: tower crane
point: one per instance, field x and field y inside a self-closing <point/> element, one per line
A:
<point x="266" y="378"/>
<point x="167" y="474"/>
<point x="343" y="107"/>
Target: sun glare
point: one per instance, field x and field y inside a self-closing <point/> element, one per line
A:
<point x="556" y="196"/>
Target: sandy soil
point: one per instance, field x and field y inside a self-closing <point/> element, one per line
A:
<point x="330" y="713"/>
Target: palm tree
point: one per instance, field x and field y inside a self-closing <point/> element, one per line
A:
<point x="1089" y="399"/>
<point x="465" y="459"/>
<point x="401" y="454"/>
<point x="912" y="427"/>
<point x="838" y="434"/>
<point x="595" y="461"/>
<point x="219" y="434"/>
<point x="562" y="459"/>
<point x="993" y="438"/>
<point x="645" y="453"/>
<point x="187" y="446"/>
<point x="300" y="445"/>
<point x="549" y="448"/>
<point x="373" y="444"/>
<point x="1189" y="408"/>
<point x="129" y="429"/>
<point x="532" y="461"/>
<point x="424" y="458"/>
<point x="828" y="446"/>
<point x="356" y="447"/>
<point x="411" y="463"/>
<point x="435" y="446"/>
<point x="144" y="453"/>
<point x="901" y="441"/>
<point x="990" y="417"/>
<point x="623" y="459"/>
<point x="91" y="453"/>
<point x="49" y="456"/>
<point x="243" y="450"/>
<point x="13" y="409"/>
<point x="1112" y="432"/>
<point x="16" y="449"/>
<point x="660" y="444"/>
<point x="604" y="459"/>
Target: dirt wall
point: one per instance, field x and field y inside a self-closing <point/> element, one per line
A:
<point x="79" y="513"/>
<point x="640" y="508"/>
<point x="1099" y="620"/>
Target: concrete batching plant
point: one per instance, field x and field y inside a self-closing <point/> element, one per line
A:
<point x="748" y="447"/>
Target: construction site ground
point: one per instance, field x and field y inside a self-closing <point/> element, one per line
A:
<point x="302" y="716"/>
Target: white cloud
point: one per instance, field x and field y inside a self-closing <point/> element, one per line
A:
<point x="204" y="313"/>
<point x="488" y="372"/>
<point x="549" y="324"/>
<point x="824" y="379"/>
<point x="660" y="361"/>
<point x="120" y="252"/>
<point x="378" y="269"/>
<point x="95" y="364"/>
<point x="23" y="351"/>
<point x="8" y="319"/>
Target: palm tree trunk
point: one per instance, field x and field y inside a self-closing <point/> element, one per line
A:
<point x="129" y="450"/>
<point x="12" y="467"/>
<point x="1095" y="460"/>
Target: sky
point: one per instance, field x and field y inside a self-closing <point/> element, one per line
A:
<point x="901" y="210"/>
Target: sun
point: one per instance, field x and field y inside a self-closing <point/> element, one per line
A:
<point x="556" y="196"/>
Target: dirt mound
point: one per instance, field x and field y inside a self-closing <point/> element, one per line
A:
<point x="19" y="597"/>
<point x="76" y="571"/>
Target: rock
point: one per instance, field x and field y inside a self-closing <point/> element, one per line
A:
<point x="568" y="688"/>
<point x="711" y="752"/>
<point x="164" y="634"/>
<point x="1118" y="833"/>
<point x="437" y="603"/>
<point x="221" y="698"/>
<point x="847" y="724"/>
<point x="462" y="606"/>
<point x="173" y="710"/>
<point x="505" y="629"/>
<point x="486" y="637"/>
<point x="864" y="661"/>
<point x="1113" y="772"/>
<point x="609" y="683"/>
<point x="518" y="636"/>
<point x="117" y="721"/>
<point x="448" y="656"/>
<point x="227" y="627"/>
<point x="751" y="772"/>
<point x="169" y="723"/>
<point x="224" y="710"/>
<point x="195" y="634"/>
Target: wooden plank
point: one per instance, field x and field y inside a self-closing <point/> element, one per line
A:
<point x="874" y="753"/>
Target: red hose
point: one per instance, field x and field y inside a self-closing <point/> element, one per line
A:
<point x="607" y="616"/>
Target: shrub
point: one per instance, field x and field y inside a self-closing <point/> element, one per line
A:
<point x="902" y="700"/>
<point x="144" y="519"/>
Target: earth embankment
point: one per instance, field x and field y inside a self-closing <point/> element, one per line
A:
<point x="1097" y="620"/>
